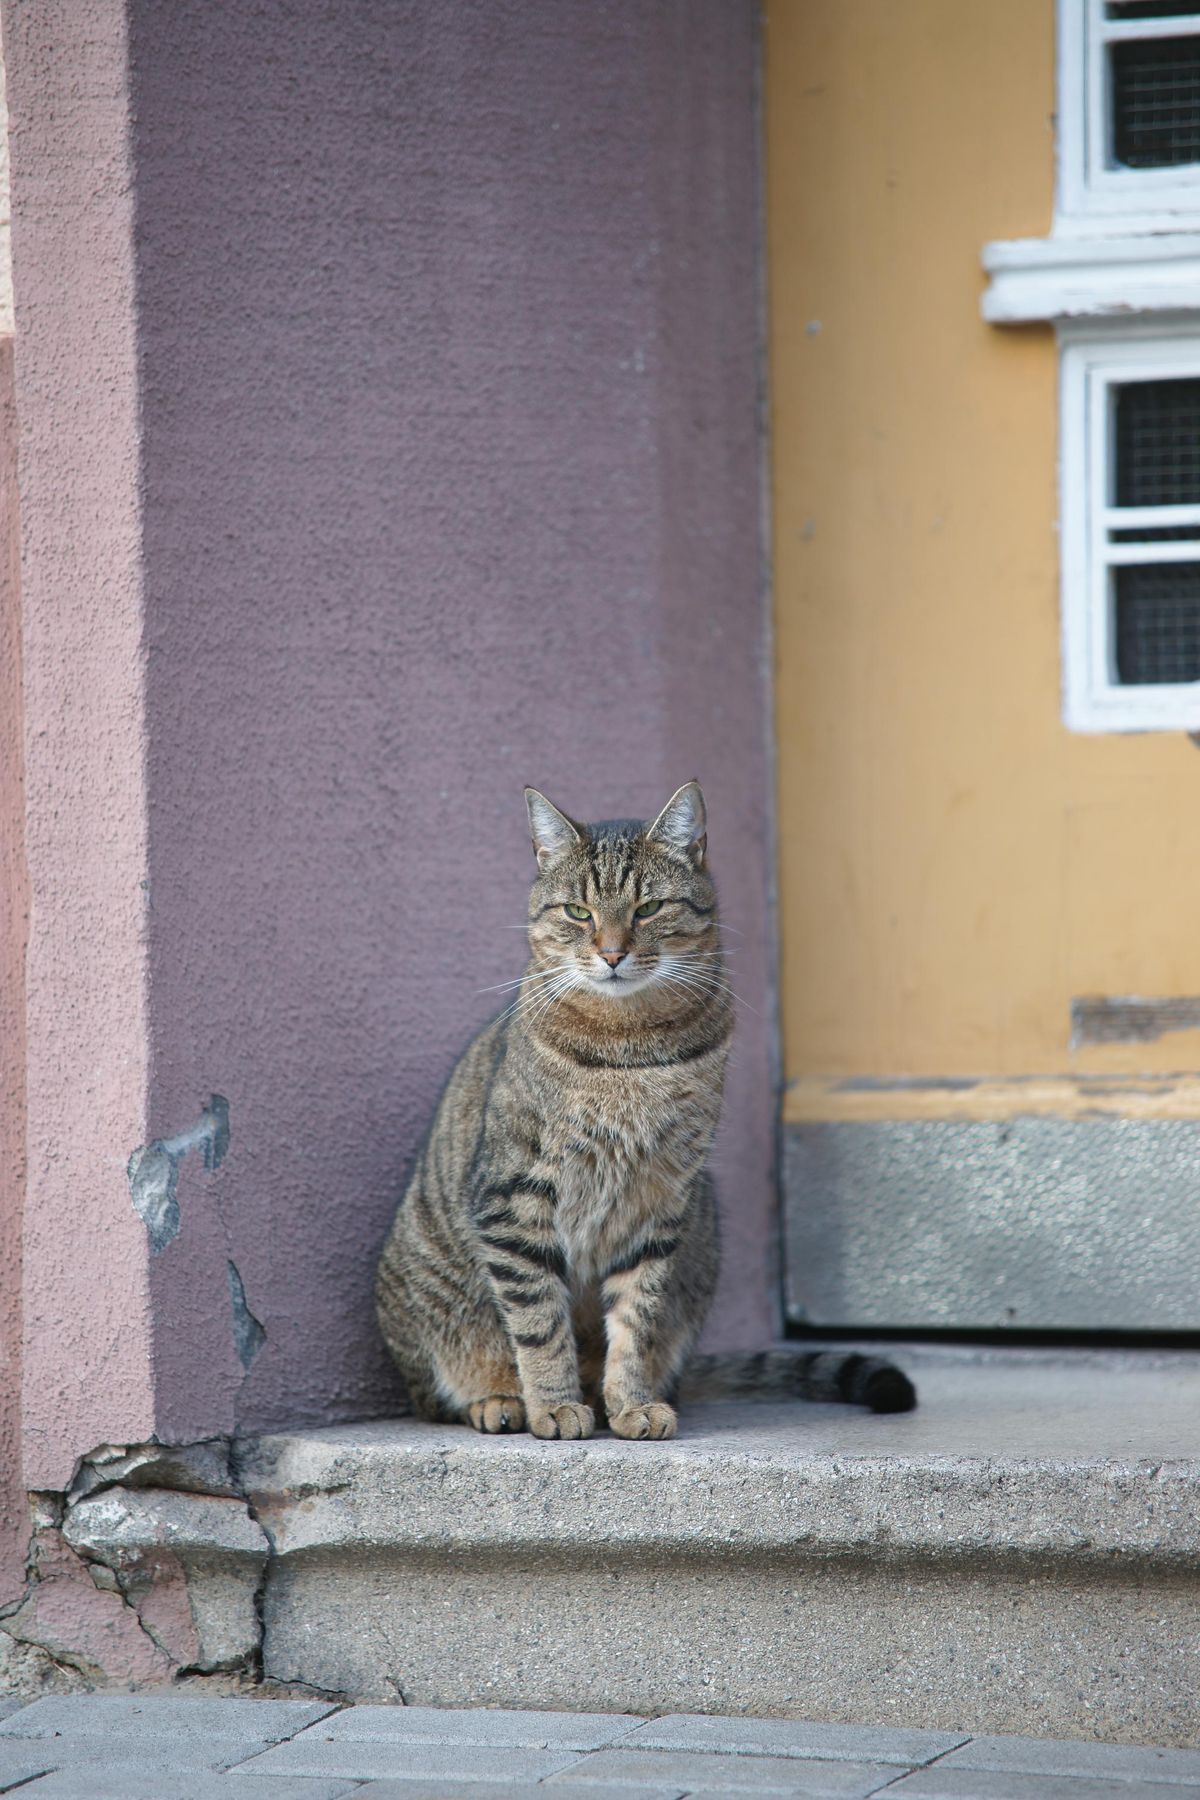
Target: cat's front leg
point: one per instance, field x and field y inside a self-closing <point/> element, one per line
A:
<point x="528" y="1273"/>
<point x="647" y="1330"/>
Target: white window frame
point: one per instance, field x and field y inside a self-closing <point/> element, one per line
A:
<point x="1094" y="197"/>
<point x="1125" y="242"/>
<point x="1119" y="276"/>
<point x="1092" y="361"/>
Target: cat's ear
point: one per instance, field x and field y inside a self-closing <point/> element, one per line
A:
<point x="552" y="832"/>
<point x="682" y="823"/>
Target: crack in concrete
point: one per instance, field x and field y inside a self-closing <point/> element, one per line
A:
<point x="146" y="1560"/>
<point x="119" y="1585"/>
<point x="55" y="1603"/>
<point x="260" y="1592"/>
<point x="60" y="1660"/>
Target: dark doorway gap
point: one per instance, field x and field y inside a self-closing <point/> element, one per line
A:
<point x="1021" y="1338"/>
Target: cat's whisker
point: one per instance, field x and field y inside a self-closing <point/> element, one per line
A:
<point x="524" y="999"/>
<point x="542" y="982"/>
<point x="704" y="977"/>
<point x="709" y="960"/>
<point x="529" y="975"/>
<point x="525" y="1003"/>
<point x="548" y="1000"/>
<point x="683" y="965"/>
<point x="682" y="979"/>
<point x="724" y="987"/>
<point x="537" y="991"/>
<point x="706" y="981"/>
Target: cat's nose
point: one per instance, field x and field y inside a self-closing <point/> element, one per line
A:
<point x="613" y="957"/>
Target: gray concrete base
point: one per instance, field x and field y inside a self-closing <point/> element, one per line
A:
<point x="1018" y="1555"/>
<point x="1015" y="1651"/>
<point x="1082" y="1224"/>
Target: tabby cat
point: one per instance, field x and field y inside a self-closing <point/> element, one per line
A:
<point x="556" y="1250"/>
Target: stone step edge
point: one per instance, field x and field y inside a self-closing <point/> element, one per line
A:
<point x="337" y="1492"/>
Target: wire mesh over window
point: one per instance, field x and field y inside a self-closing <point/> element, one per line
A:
<point x="1151" y="9"/>
<point x="1157" y="443"/>
<point x="1157" y="622"/>
<point x="1155" y="85"/>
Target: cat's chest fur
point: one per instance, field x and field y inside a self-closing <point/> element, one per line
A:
<point x="620" y="1143"/>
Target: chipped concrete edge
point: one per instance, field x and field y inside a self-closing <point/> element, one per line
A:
<point x="147" y="1571"/>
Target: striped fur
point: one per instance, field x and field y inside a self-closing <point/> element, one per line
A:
<point x="555" y="1253"/>
<point x="790" y="1373"/>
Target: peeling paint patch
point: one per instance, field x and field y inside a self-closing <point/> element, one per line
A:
<point x="249" y="1334"/>
<point x="1129" y="1019"/>
<point x="154" y="1170"/>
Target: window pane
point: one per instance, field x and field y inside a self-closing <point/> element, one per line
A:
<point x="1158" y="622"/>
<point x="1151" y="9"/>
<point x="1155" y="102"/>
<point x="1157" y="441"/>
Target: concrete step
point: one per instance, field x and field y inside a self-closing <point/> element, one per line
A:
<point x="1018" y="1555"/>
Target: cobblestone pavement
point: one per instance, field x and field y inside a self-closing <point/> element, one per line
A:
<point x="142" y="1747"/>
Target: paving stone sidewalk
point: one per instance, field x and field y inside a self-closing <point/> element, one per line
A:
<point x="144" y="1747"/>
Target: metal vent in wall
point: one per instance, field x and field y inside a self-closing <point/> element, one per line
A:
<point x="1154" y="85"/>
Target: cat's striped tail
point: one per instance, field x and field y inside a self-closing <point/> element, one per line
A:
<point x="785" y="1373"/>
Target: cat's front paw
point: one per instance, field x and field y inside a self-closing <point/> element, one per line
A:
<point x="654" y="1420"/>
<point x="570" y="1420"/>
<point x="499" y="1412"/>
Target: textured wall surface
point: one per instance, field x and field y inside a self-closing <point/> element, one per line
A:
<point x="1018" y="1223"/>
<point x="929" y="923"/>
<point x="448" y="348"/>
<point x="85" y="1290"/>
<point x="957" y="868"/>
<point x="6" y="301"/>
<point x="14" y="904"/>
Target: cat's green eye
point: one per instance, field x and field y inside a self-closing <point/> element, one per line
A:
<point x="574" y="911"/>
<point x="647" y="909"/>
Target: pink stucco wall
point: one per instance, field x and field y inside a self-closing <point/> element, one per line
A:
<point x="388" y="386"/>
<point x="86" y="1375"/>
<point x="14" y="905"/>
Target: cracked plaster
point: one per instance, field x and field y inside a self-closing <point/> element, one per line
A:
<point x="148" y="1569"/>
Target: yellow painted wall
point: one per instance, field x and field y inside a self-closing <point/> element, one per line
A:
<point x="954" y="864"/>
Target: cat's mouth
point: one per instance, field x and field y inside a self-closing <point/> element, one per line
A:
<point x="615" y="981"/>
